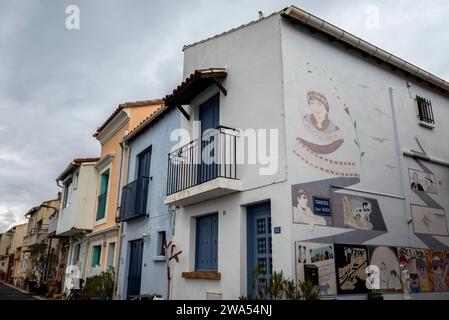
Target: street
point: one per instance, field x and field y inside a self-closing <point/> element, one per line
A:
<point x="8" y="293"/>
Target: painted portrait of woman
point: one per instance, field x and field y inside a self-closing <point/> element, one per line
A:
<point x="322" y="138"/>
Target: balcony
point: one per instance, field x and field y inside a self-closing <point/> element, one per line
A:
<point x="35" y="237"/>
<point x="134" y="199"/>
<point x="204" y="169"/>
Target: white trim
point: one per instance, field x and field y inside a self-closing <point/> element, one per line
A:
<point x="104" y="161"/>
<point x="426" y="124"/>
<point x="104" y="219"/>
<point x="413" y="154"/>
<point x="116" y="123"/>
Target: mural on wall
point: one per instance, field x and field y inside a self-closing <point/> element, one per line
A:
<point x="436" y="270"/>
<point x="446" y="266"/>
<point x="323" y="138"/>
<point x="304" y="207"/>
<point x="428" y="220"/>
<point x="416" y="264"/>
<point x="351" y="263"/>
<point x="322" y="256"/>
<point x="362" y="213"/>
<point x="386" y="259"/>
<point x="422" y="181"/>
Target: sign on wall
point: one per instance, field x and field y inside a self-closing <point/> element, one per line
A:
<point x="321" y="206"/>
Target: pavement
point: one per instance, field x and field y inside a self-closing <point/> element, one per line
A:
<point x="8" y="292"/>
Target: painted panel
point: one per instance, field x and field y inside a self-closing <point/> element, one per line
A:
<point x="422" y="181"/>
<point x="386" y="259"/>
<point x="321" y="255"/>
<point x="362" y="213"/>
<point x="436" y="270"/>
<point x="429" y="220"/>
<point x="415" y="261"/>
<point x="351" y="263"/>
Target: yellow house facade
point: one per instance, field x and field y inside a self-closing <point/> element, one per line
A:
<point x="104" y="240"/>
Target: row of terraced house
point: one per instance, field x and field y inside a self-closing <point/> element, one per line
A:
<point x="328" y="155"/>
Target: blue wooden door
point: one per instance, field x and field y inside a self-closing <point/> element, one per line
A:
<point x="210" y="119"/>
<point x="259" y="246"/>
<point x="135" y="268"/>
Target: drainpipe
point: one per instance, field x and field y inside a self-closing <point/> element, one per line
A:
<point x="119" y="242"/>
<point x="403" y="178"/>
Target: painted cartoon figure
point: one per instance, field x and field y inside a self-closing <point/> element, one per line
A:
<point x="324" y="138"/>
<point x="358" y="218"/>
<point x="422" y="274"/>
<point x="415" y="185"/>
<point x="393" y="281"/>
<point x="303" y="214"/>
<point x="301" y="254"/>
<point x="437" y="278"/>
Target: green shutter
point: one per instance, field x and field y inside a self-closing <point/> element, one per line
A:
<point x="96" y="253"/>
<point x="101" y="207"/>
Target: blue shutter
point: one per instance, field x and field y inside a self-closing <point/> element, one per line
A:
<point x="206" y="243"/>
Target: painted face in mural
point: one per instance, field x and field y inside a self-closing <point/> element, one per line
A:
<point x="302" y="200"/>
<point x="319" y="113"/>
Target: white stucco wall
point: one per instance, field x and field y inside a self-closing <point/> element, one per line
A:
<point x="79" y="214"/>
<point x="272" y="65"/>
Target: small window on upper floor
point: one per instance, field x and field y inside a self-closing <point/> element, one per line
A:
<point x="161" y="243"/>
<point x="75" y="180"/>
<point x="425" y="112"/>
<point x="67" y="193"/>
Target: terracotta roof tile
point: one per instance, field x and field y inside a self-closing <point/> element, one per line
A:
<point x="142" y="103"/>
<point x="146" y="121"/>
<point x="180" y="93"/>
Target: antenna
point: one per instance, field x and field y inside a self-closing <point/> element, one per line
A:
<point x="260" y="14"/>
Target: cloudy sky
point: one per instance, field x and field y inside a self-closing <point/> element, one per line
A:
<point x="58" y="85"/>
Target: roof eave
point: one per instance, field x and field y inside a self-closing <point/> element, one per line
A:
<point x="299" y="15"/>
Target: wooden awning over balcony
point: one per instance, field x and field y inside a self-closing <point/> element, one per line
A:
<point x="197" y="82"/>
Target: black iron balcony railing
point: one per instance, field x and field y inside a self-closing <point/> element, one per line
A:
<point x="134" y="199"/>
<point x="212" y="156"/>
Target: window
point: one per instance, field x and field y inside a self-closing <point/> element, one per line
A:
<point x="96" y="255"/>
<point x="206" y="252"/>
<point x="111" y="255"/>
<point x="75" y="180"/>
<point x="67" y="193"/>
<point x="425" y="110"/>
<point x="161" y="242"/>
<point x="76" y="253"/>
<point x="101" y="207"/>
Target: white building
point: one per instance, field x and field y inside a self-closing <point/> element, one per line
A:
<point x="358" y="171"/>
<point x="76" y="217"/>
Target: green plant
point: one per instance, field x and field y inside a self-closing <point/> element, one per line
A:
<point x="309" y="291"/>
<point x="375" y="296"/>
<point x="100" y="286"/>
<point x="280" y="287"/>
<point x="276" y="288"/>
<point x="292" y="291"/>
